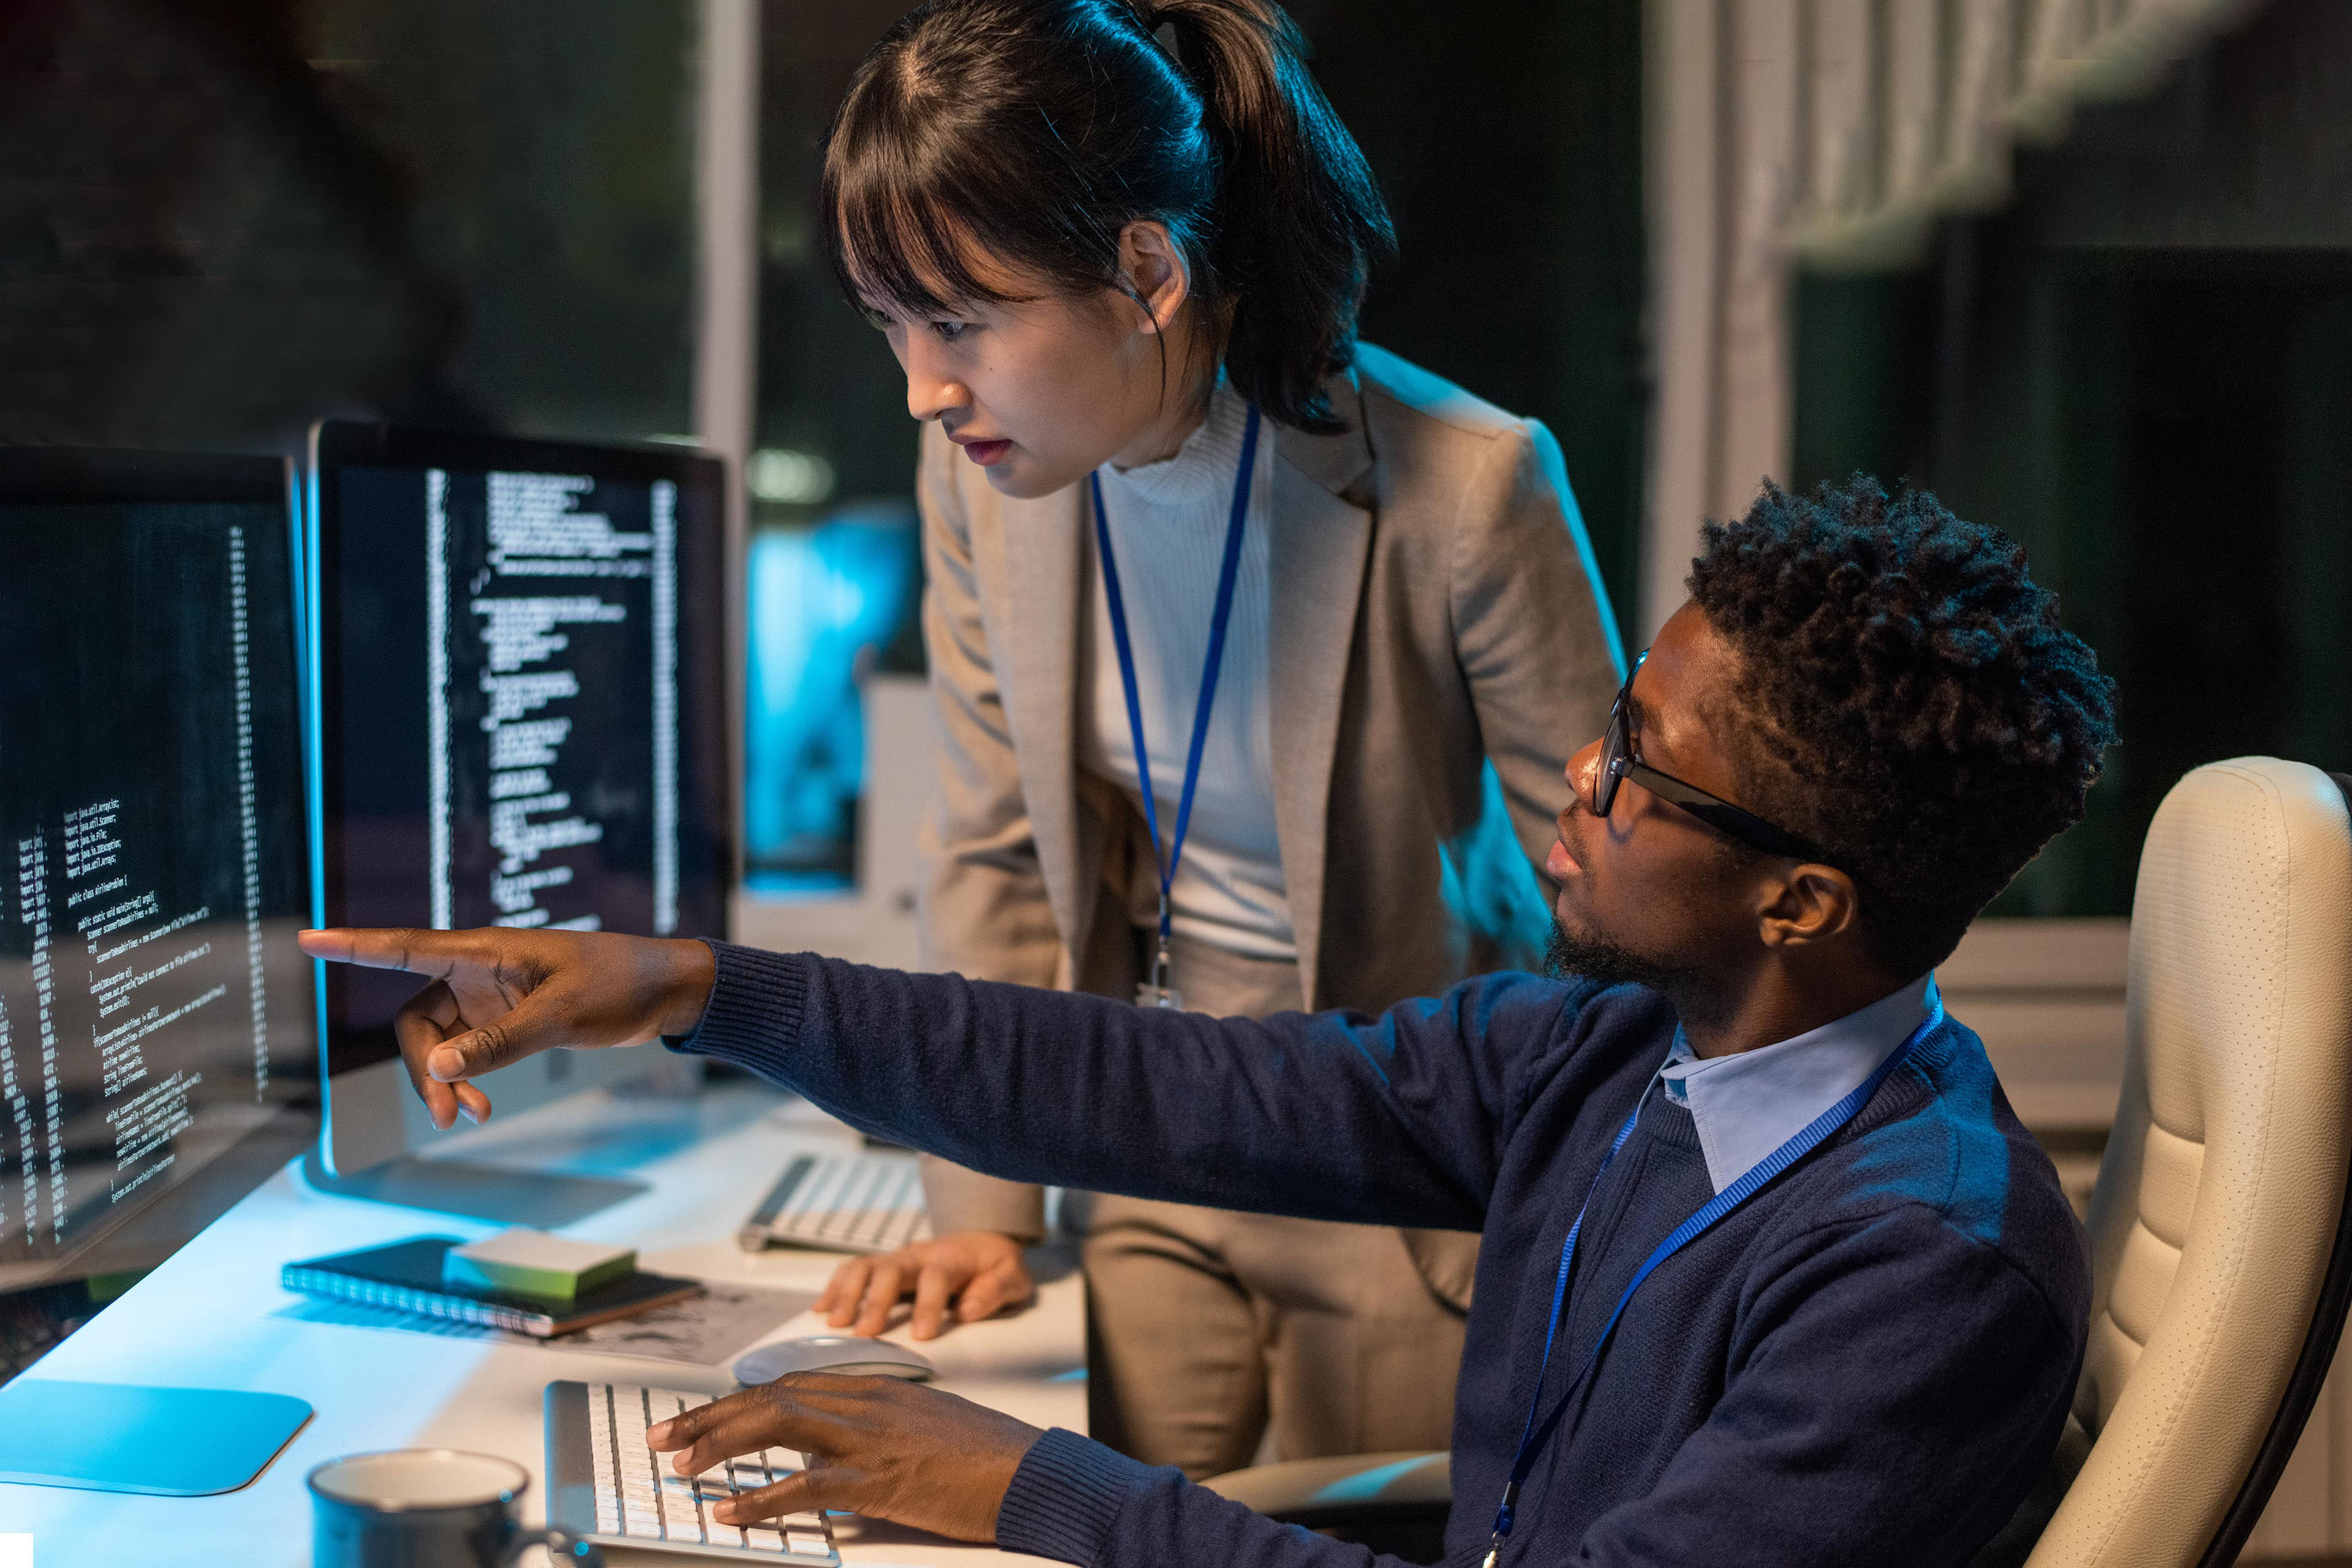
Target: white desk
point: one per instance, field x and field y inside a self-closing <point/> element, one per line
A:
<point x="205" y="1319"/>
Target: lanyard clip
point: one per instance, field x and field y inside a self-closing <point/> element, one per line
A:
<point x="1504" y="1520"/>
<point x="1159" y="960"/>
<point x="1155" y="992"/>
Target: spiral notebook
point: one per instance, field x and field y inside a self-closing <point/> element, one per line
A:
<point x="406" y="1277"/>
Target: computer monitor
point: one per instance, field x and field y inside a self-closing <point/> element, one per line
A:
<point x="154" y="1012"/>
<point x="521" y="680"/>
<point x="157" y="1041"/>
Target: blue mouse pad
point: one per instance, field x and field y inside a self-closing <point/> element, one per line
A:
<point x="117" y="1437"/>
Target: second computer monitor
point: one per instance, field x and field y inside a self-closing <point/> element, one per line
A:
<point x="521" y="683"/>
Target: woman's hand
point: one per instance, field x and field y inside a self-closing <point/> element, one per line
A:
<point x="981" y="1271"/>
<point x="890" y="1449"/>
<point x="499" y="995"/>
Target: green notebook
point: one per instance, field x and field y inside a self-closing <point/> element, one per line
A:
<point x="406" y="1277"/>
<point x="524" y="1262"/>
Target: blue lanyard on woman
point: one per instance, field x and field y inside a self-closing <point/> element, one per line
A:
<point x="1816" y="1134"/>
<point x="1157" y="993"/>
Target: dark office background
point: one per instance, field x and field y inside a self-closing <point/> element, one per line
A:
<point x="220" y="221"/>
<point x="2142" y="368"/>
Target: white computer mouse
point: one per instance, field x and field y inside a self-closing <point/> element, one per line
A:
<point x="847" y="1354"/>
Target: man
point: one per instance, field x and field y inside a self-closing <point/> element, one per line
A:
<point x="1823" y="1301"/>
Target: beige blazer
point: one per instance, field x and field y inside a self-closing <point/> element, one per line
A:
<point x="1435" y="607"/>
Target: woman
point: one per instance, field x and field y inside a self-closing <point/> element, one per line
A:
<point x="1228" y="617"/>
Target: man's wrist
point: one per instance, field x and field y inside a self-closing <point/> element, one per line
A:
<point x="690" y="974"/>
<point x="1066" y="1497"/>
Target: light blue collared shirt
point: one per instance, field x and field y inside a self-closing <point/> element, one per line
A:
<point x="1749" y="1104"/>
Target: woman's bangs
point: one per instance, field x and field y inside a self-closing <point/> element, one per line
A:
<point x="891" y="242"/>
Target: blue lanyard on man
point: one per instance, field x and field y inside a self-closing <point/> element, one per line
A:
<point x="1156" y="992"/>
<point x="1816" y="1134"/>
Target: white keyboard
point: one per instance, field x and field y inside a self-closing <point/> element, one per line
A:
<point x="843" y="1202"/>
<point x="605" y="1484"/>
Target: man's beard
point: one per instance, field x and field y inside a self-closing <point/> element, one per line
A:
<point x="1596" y="958"/>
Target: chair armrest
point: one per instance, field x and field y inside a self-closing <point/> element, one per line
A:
<point x="1339" y="1493"/>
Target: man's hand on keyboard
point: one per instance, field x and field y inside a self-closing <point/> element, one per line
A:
<point x="981" y="1271"/>
<point x="498" y="996"/>
<point x="888" y="1449"/>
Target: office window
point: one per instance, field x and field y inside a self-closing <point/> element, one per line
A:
<point x="2142" y="369"/>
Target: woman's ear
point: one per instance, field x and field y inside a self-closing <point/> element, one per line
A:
<point x="1157" y="278"/>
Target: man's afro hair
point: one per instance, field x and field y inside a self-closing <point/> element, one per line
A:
<point x="1911" y="704"/>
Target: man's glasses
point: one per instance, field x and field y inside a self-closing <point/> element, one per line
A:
<point x="1619" y="763"/>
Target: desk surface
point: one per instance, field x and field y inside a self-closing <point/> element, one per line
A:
<point x="207" y="1318"/>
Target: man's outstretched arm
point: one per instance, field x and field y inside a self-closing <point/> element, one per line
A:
<point x="1333" y="1116"/>
<point x="1393" y="1120"/>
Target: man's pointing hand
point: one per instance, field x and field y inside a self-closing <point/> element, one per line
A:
<point x="496" y="996"/>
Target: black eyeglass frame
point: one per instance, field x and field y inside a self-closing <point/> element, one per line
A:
<point x="1619" y="763"/>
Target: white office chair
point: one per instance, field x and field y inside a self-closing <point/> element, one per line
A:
<point x="2221" y="1258"/>
<point x="2220" y="1262"/>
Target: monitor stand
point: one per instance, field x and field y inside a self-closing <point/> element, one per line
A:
<point x="541" y="1200"/>
<point x="118" y="1438"/>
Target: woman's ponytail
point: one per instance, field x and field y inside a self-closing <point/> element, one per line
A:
<point x="1040" y="129"/>
<point x="1299" y="219"/>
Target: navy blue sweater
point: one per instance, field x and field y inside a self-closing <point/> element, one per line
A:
<point x="1868" y="1362"/>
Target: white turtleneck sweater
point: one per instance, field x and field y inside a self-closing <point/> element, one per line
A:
<point x="1167" y="522"/>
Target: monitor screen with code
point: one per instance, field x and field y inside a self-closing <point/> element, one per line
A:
<point x="153" y="1007"/>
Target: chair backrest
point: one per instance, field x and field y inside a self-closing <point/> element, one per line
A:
<point x="2220" y="1262"/>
